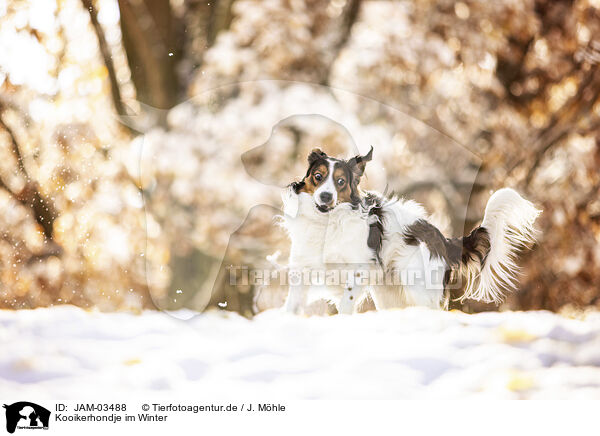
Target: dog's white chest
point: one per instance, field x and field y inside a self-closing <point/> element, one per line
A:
<point x="337" y="237"/>
<point x="346" y="237"/>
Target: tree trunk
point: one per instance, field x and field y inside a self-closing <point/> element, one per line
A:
<point x="149" y="39"/>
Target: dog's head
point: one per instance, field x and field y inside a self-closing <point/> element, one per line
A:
<point x="332" y="181"/>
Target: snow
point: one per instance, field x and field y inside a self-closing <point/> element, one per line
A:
<point x="69" y="353"/>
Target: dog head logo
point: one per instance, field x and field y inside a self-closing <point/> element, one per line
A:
<point x="26" y="415"/>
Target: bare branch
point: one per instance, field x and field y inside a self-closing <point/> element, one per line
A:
<point x="220" y="19"/>
<point x="348" y="18"/>
<point x="106" y="55"/>
<point x="562" y="123"/>
<point x="29" y="196"/>
<point x="14" y="147"/>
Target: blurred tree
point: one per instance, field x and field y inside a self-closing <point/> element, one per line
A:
<point x="150" y="39"/>
<point x="28" y="193"/>
<point x="107" y="57"/>
<point x="156" y="38"/>
<point x="517" y="83"/>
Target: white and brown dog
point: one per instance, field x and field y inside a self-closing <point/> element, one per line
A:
<point x="334" y="226"/>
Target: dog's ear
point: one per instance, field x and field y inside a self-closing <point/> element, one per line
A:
<point x="315" y="155"/>
<point x="358" y="163"/>
<point x="297" y="186"/>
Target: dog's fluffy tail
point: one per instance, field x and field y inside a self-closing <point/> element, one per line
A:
<point x="489" y="252"/>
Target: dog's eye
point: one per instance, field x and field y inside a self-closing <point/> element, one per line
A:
<point x="318" y="177"/>
<point x="341" y="182"/>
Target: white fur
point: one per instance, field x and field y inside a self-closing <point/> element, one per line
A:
<point x="327" y="186"/>
<point x="509" y="221"/>
<point x="320" y="240"/>
<point x="338" y="239"/>
<point x="422" y="280"/>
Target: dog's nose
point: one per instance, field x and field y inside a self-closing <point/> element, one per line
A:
<point x="326" y="197"/>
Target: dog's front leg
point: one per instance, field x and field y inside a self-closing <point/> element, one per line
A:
<point x="351" y="293"/>
<point x="296" y="299"/>
<point x="353" y="290"/>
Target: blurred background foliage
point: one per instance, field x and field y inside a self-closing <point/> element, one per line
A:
<point x="142" y="143"/>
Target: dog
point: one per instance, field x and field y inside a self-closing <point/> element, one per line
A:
<point x="335" y="226"/>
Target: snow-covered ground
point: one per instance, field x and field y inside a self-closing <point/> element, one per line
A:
<point x="69" y="353"/>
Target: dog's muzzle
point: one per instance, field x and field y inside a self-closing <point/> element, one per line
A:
<point x="324" y="202"/>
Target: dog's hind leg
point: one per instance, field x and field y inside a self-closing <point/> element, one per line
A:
<point x="424" y="283"/>
<point x="416" y="279"/>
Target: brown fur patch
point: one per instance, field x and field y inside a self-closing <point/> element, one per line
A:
<point x="344" y="190"/>
<point x="310" y="183"/>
